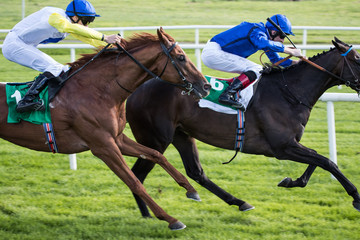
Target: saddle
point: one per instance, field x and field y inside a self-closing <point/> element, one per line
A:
<point x="218" y="86"/>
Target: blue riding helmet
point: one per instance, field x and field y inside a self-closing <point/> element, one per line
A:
<point x="282" y="22"/>
<point x="81" y="8"/>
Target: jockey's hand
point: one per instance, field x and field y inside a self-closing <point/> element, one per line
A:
<point x="112" y="39"/>
<point x="293" y="51"/>
<point x="295" y="62"/>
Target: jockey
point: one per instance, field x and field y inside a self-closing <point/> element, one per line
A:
<point x="228" y="52"/>
<point x="50" y="25"/>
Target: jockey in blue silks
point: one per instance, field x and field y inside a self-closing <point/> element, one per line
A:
<point x="228" y="52"/>
<point x="50" y="25"/>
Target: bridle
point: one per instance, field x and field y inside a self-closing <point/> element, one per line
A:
<point x="186" y="84"/>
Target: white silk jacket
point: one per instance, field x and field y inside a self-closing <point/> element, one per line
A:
<point x="48" y="25"/>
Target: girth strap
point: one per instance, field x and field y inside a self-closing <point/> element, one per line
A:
<point x="240" y="131"/>
<point x="50" y="137"/>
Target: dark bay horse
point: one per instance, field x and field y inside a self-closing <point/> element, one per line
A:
<point x="89" y="111"/>
<point x="275" y="120"/>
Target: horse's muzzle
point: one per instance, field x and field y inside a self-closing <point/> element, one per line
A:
<point x="201" y="92"/>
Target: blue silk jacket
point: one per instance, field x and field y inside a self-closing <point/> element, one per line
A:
<point x="247" y="38"/>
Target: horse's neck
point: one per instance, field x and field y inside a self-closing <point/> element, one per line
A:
<point x="132" y="74"/>
<point x="128" y="75"/>
<point x="312" y="82"/>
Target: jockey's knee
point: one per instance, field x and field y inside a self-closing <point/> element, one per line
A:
<point x="256" y="69"/>
<point x="251" y="75"/>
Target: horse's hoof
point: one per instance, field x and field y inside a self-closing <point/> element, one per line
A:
<point x="356" y="205"/>
<point x="177" y="226"/>
<point x="194" y="196"/>
<point x="246" y="207"/>
<point x="285" y="182"/>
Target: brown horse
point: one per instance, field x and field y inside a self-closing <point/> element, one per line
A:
<point x="88" y="113"/>
<point x="275" y="120"/>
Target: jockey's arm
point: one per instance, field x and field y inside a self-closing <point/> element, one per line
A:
<point x="78" y="31"/>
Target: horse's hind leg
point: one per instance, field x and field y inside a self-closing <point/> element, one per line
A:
<point x="131" y="148"/>
<point x="189" y="154"/>
<point x="301" y="181"/>
<point x="141" y="169"/>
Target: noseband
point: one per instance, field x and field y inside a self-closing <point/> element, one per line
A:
<point x="186" y="84"/>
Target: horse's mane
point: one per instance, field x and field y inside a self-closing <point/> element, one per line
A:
<point x="313" y="58"/>
<point x="138" y="40"/>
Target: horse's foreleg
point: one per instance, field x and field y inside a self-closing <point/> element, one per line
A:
<point x="299" y="153"/>
<point x="113" y="158"/>
<point x="189" y="154"/>
<point x="131" y="148"/>
<point x="301" y="181"/>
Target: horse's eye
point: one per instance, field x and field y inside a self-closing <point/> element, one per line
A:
<point x="357" y="59"/>
<point x="181" y="58"/>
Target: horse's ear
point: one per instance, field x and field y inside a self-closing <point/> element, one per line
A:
<point x="339" y="41"/>
<point x="162" y="37"/>
<point x="342" y="47"/>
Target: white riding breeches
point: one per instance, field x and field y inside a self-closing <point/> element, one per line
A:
<point x="15" y="50"/>
<point x="215" y="58"/>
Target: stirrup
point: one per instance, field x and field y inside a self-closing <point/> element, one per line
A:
<point x="232" y="103"/>
<point x="31" y="106"/>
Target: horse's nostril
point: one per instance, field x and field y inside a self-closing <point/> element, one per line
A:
<point x="207" y="87"/>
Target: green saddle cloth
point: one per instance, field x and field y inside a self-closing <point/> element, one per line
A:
<point x="14" y="93"/>
<point x="218" y="86"/>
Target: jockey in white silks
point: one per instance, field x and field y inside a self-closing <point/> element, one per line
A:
<point x="50" y="25"/>
<point x="228" y="52"/>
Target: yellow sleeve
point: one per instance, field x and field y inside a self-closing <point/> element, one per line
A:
<point x="80" y="32"/>
<point x="93" y="42"/>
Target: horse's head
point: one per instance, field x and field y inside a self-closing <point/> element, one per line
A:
<point x="350" y="72"/>
<point x="181" y="72"/>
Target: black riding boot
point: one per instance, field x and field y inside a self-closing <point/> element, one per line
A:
<point x="228" y="96"/>
<point x="28" y="103"/>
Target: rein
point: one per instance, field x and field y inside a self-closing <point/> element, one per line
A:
<point x="87" y="63"/>
<point x="346" y="82"/>
<point x="355" y="85"/>
<point x="186" y="84"/>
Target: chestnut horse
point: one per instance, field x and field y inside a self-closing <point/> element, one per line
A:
<point x="88" y="113"/>
<point x="275" y="120"/>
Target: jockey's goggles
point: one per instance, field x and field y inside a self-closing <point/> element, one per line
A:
<point x="280" y="34"/>
<point x="86" y="20"/>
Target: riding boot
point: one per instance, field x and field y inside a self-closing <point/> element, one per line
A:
<point x="228" y="97"/>
<point x="28" y="103"/>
